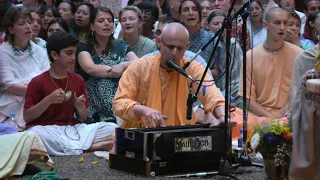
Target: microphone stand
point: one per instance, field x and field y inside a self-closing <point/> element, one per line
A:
<point x="225" y="168"/>
<point x="243" y="160"/>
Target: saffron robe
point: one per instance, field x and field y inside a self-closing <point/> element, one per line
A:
<point x="145" y="82"/>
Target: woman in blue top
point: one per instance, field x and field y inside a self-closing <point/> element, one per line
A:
<point x="101" y="62"/>
<point x="293" y="32"/>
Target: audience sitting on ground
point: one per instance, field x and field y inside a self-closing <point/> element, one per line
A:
<point x="56" y="100"/>
<point x="47" y="13"/>
<point x="131" y="22"/>
<point x="36" y="29"/>
<point x="205" y="9"/>
<point x="289" y="5"/>
<point x="190" y="13"/>
<point x="20" y="60"/>
<point x="150" y="15"/>
<point x="218" y="67"/>
<point x="309" y="7"/>
<point x="67" y="10"/>
<point x="81" y="24"/>
<point x="101" y="62"/>
<point x="57" y="24"/>
<point x="258" y="34"/>
<point x="311" y="30"/>
<point x="293" y="32"/>
<point x="269" y="71"/>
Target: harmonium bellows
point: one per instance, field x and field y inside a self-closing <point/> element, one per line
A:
<point x="189" y="146"/>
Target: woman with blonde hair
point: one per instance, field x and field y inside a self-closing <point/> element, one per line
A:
<point x="131" y="23"/>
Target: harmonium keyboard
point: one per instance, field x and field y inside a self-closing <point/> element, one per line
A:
<point x="169" y="150"/>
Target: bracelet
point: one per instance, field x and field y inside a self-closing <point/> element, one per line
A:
<point x="81" y="109"/>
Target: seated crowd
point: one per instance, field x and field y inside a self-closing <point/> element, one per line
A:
<point x="73" y="72"/>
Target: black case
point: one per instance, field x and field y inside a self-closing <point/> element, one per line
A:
<point x="171" y="145"/>
<point x="160" y="151"/>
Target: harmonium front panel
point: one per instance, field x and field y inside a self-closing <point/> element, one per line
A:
<point x="188" y="144"/>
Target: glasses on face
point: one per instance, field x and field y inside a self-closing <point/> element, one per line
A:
<point x="157" y="33"/>
<point x="171" y="47"/>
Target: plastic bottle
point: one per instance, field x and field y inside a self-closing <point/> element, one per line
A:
<point x="12" y="119"/>
<point x="240" y="139"/>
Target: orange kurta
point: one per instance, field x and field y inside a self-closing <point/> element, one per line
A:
<point x="270" y="84"/>
<point x="145" y="82"/>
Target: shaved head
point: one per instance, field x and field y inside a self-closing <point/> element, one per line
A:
<point x="172" y="43"/>
<point x="175" y="30"/>
<point x="272" y="11"/>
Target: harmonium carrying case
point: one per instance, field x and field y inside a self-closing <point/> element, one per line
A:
<point x="169" y="150"/>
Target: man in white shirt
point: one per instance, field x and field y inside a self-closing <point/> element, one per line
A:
<point x="289" y="5"/>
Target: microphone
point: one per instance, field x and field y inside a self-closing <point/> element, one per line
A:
<point x="190" y="101"/>
<point x="171" y="64"/>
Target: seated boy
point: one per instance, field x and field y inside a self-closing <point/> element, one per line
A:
<point x="57" y="99"/>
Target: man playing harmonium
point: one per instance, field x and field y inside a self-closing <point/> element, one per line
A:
<point x="152" y="94"/>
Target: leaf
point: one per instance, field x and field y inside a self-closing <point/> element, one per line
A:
<point x="81" y="160"/>
<point x="95" y="162"/>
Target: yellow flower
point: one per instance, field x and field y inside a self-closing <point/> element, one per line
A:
<point x="318" y="55"/>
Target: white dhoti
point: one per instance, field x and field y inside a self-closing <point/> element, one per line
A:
<point x="73" y="140"/>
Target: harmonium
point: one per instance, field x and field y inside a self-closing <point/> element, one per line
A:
<point x="169" y="150"/>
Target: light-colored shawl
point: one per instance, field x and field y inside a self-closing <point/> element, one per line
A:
<point x="305" y="119"/>
<point x="19" y="149"/>
<point x="305" y="61"/>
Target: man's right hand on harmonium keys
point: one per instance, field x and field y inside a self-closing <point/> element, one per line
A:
<point x="150" y="117"/>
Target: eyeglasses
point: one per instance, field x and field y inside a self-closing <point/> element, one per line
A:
<point x="157" y="33"/>
<point x="171" y="47"/>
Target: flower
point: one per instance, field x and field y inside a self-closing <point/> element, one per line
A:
<point x="318" y="54"/>
<point x="317" y="68"/>
<point x="287" y="137"/>
<point x="267" y="136"/>
<point x="271" y="139"/>
<point x="255" y="141"/>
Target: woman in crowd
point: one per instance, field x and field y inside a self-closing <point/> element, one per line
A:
<point x="21" y="60"/>
<point x="310" y="31"/>
<point x="57" y="24"/>
<point x="47" y="13"/>
<point x="150" y="15"/>
<point x="131" y="23"/>
<point x="258" y="34"/>
<point x="293" y="32"/>
<point x="36" y="28"/>
<point x="214" y="23"/>
<point x="95" y="3"/>
<point x="101" y="62"/>
<point x="190" y="14"/>
<point x="67" y="10"/>
<point x="81" y="25"/>
<point x="205" y="9"/>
